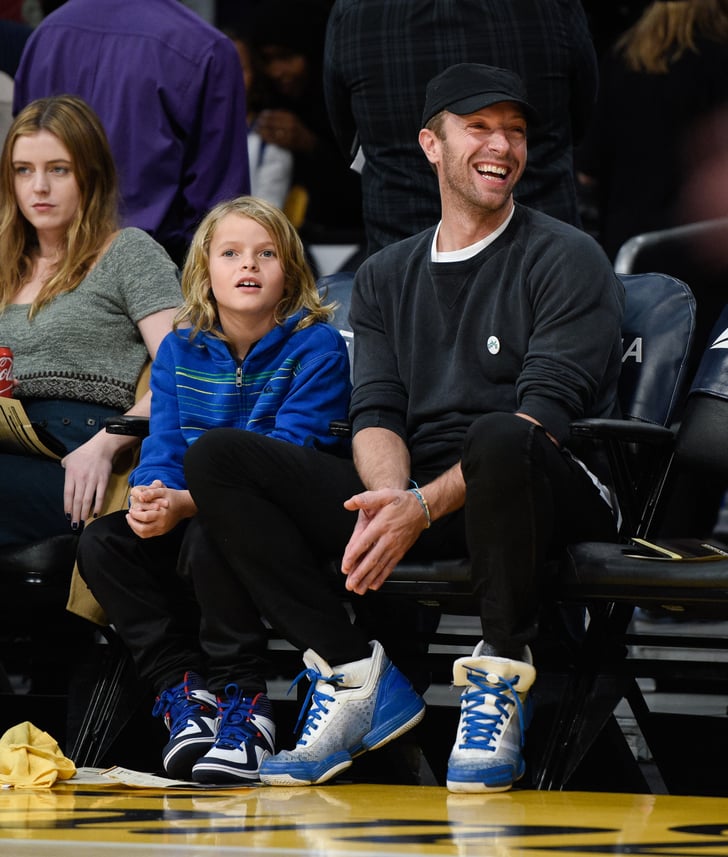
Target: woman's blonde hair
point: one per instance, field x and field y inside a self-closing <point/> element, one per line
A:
<point x="666" y="30"/>
<point x="79" y="129"/>
<point x="200" y="308"/>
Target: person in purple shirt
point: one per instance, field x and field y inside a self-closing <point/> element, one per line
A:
<point x="169" y="90"/>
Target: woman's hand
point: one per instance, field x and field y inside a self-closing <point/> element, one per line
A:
<point x="88" y="470"/>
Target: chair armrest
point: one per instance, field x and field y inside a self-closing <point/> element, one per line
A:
<point x="134" y="426"/>
<point x="340" y="428"/>
<point x="637" y="453"/>
<point x="624" y="431"/>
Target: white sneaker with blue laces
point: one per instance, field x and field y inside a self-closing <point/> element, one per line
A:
<point x="495" y="711"/>
<point x="189" y="711"/>
<point x="245" y="737"/>
<point x="349" y="709"/>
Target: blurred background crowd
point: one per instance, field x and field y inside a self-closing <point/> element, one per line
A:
<point x="644" y="147"/>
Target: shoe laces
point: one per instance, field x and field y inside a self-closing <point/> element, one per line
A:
<point x="314" y="705"/>
<point x="481" y="728"/>
<point x="236" y="724"/>
<point x="175" y="705"/>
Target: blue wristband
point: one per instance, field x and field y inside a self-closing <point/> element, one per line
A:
<point x="425" y="506"/>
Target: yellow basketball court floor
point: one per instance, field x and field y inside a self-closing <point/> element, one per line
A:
<point x="117" y="820"/>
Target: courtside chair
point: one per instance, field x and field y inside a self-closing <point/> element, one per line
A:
<point x="658" y="331"/>
<point x="689" y="751"/>
<point x="695" y="253"/>
<point x="50" y="651"/>
<point x="45" y="648"/>
<point x="33" y="589"/>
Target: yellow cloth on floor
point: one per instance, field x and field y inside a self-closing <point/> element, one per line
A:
<point x="31" y="759"/>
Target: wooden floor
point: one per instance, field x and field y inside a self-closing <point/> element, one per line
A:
<point x="121" y="821"/>
<point x="374" y="815"/>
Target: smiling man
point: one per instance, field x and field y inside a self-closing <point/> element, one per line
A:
<point x="477" y="342"/>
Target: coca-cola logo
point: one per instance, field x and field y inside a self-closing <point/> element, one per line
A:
<point x="6" y="368"/>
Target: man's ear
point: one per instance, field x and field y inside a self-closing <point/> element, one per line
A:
<point x="430" y="144"/>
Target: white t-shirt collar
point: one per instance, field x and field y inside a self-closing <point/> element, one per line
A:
<point x="472" y="249"/>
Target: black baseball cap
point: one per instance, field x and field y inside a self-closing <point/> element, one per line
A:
<point x="468" y="86"/>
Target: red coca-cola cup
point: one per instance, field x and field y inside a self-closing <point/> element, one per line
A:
<point x="6" y="371"/>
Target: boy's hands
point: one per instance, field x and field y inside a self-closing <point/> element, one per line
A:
<point x="155" y="509"/>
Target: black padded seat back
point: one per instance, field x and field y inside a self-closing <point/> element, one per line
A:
<point x="34" y="578"/>
<point x="45" y="561"/>
<point x="703" y="437"/>
<point x="657" y="336"/>
<point x="689" y="253"/>
<point x="336" y="289"/>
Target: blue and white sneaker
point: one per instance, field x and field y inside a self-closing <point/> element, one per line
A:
<point x="351" y="709"/>
<point x="245" y="737"/>
<point x="190" y="714"/>
<point x="495" y="711"/>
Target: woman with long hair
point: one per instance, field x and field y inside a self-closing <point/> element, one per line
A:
<point x="83" y="306"/>
<point x="666" y="73"/>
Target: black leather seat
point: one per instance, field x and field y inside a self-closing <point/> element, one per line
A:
<point x="49" y="649"/>
<point x="607" y="579"/>
<point x="42" y="646"/>
<point x="692" y="253"/>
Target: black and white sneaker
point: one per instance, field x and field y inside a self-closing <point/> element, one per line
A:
<point x="245" y="737"/>
<point x="190" y="713"/>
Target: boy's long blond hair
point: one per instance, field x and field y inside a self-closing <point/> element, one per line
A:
<point x="666" y="30"/>
<point x="76" y="125"/>
<point x="199" y="310"/>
